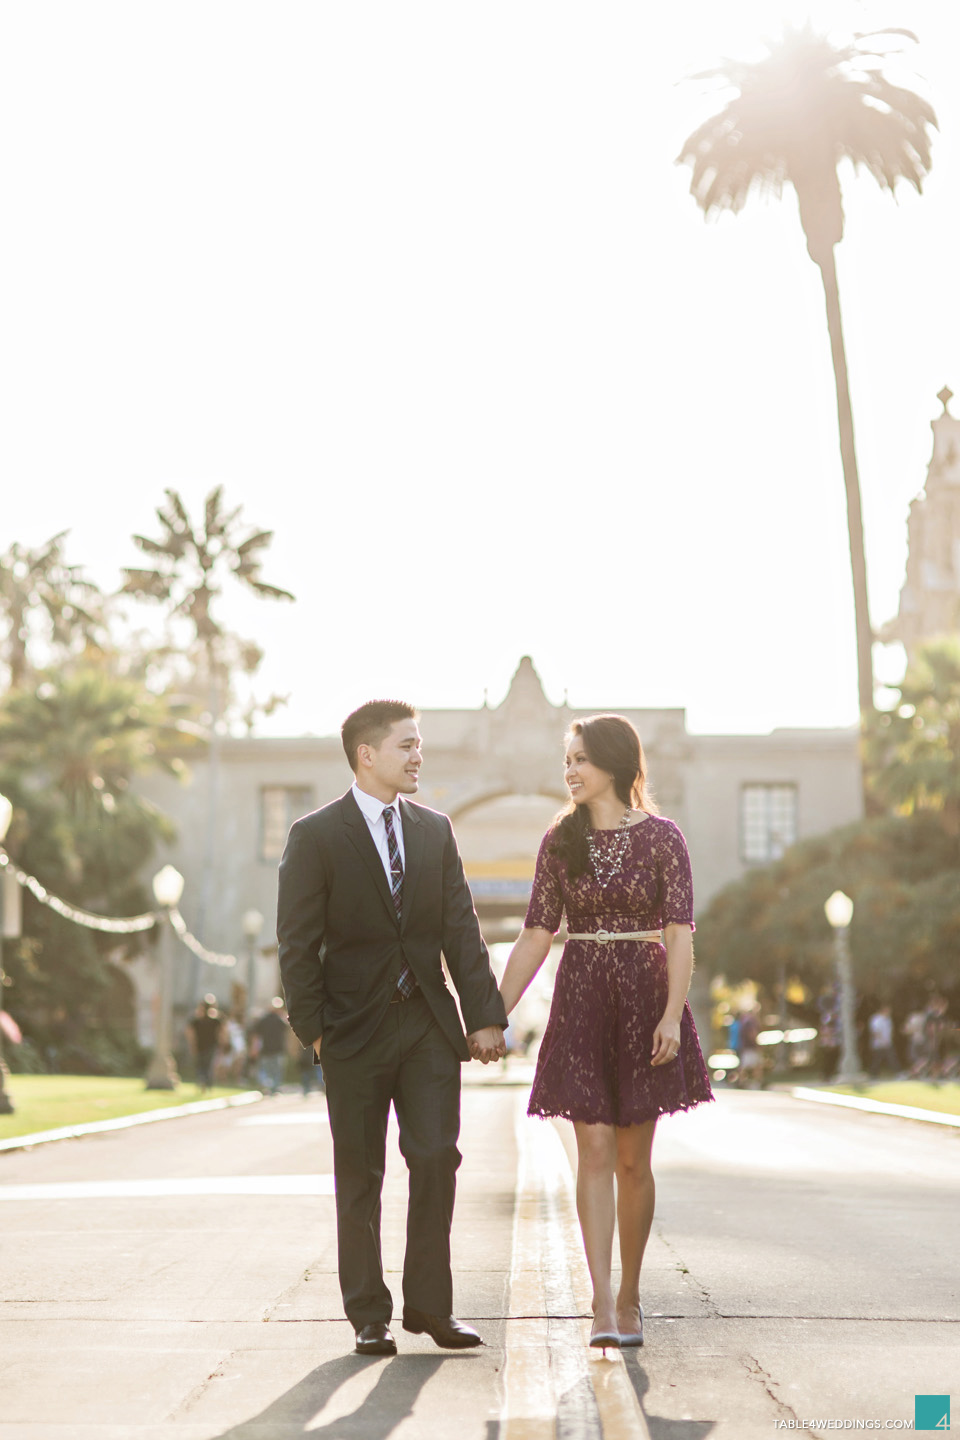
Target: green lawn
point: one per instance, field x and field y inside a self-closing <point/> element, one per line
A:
<point x="45" y="1102"/>
<point x="924" y="1094"/>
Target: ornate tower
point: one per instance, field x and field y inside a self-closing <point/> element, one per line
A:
<point x="930" y="597"/>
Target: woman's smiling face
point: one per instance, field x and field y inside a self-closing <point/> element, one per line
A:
<point x="585" y="781"/>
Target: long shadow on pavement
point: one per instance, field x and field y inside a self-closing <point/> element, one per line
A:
<point x="660" y="1428"/>
<point x="390" y="1401"/>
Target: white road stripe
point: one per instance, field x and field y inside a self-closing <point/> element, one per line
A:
<point x="548" y="1263"/>
<point x="529" y="1404"/>
<point x="165" y="1188"/>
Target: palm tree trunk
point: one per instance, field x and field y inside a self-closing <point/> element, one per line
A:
<point x="212" y="819"/>
<point x="851" y="479"/>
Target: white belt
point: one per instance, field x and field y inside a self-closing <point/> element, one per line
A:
<point x="602" y="937"/>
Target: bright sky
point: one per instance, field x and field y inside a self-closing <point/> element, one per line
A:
<point x="422" y="287"/>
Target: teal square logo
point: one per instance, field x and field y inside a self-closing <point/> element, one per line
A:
<point x="931" y="1412"/>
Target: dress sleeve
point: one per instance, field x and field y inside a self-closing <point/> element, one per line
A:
<point x="676" y="879"/>
<point x="545" y="910"/>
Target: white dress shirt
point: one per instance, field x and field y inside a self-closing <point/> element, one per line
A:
<point x="372" y="811"/>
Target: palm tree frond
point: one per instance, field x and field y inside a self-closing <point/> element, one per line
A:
<point x="798" y="111"/>
<point x="257" y="541"/>
<point x="50" y="552"/>
<point x="212" y="519"/>
<point x="149" y="584"/>
<point x="727" y="165"/>
<point x="171" y="547"/>
<point x="174" y="517"/>
<point x="270" y="592"/>
<point x="230" y="519"/>
<point x="893" y="30"/>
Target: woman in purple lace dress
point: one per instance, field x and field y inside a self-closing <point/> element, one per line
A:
<point x="620" y="1047"/>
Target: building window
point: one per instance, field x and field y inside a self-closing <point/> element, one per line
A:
<point x="768" y="821"/>
<point x="280" y="805"/>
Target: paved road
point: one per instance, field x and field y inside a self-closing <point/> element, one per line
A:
<point x="179" y="1281"/>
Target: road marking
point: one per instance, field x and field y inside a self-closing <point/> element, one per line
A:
<point x="875" y="1107"/>
<point x="529" y="1404"/>
<point x="166" y="1188"/>
<point x="124" y="1122"/>
<point x="549" y="1280"/>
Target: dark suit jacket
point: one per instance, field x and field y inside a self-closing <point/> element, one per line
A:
<point x="342" y="946"/>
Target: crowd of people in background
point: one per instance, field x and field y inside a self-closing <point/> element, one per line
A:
<point x="742" y="1039"/>
<point x="227" y="1050"/>
<point x="912" y="1032"/>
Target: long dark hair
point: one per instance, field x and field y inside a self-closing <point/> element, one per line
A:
<point x="613" y="744"/>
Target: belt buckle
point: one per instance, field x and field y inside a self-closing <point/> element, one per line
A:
<point x="603" y="936"/>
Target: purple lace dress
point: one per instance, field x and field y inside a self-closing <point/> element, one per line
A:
<point x="594" y="1062"/>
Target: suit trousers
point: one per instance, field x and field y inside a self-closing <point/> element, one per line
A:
<point x="409" y="1061"/>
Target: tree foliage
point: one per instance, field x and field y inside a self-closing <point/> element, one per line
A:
<point x="48" y="609"/>
<point x="896" y="869"/>
<point x="90" y="706"/>
<point x="901" y="869"/>
<point x="794" y="115"/>
<point x="69" y="752"/>
<point x="191" y="563"/>
<point x="914" y="749"/>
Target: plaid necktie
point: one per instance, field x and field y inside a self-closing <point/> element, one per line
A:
<point x="406" y="983"/>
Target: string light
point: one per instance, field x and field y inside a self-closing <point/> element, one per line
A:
<point x="129" y="925"/>
<point x="104" y="923"/>
<point x="192" y="943"/>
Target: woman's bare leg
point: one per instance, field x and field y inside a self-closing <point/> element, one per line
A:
<point x="597" y="1158"/>
<point x="636" y="1195"/>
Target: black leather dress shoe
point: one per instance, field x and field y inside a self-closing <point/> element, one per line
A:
<point x="443" y="1330"/>
<point x="376" y="1340"/>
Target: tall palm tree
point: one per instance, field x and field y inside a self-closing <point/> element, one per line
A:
<point x="42" y="597"/>
<point x="793" y="117"/>
<point x="191" y="564"/>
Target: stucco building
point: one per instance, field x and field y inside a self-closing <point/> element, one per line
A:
<point x="741" y="800"/>
<point x="930" y="597"/>
<point x="497" y="771"/>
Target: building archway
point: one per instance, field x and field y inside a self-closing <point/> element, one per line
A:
<point x="499" y="835"/>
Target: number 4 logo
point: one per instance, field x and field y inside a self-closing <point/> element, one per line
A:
<point x="931" y="1412"/>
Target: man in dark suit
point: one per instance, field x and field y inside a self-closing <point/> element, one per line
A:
<point x="372" y="890"/>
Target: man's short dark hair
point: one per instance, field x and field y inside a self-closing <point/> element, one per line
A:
<point x="370" y="724"/>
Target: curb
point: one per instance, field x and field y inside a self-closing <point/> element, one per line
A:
<point x="876" y="1107"/>
<point x="125" y="1122"/>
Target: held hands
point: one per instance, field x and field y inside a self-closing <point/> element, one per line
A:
<point x="487" y="1044"/>
<point x="666" y="1042"/>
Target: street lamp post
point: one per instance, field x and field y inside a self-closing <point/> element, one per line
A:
<point x="839" y="912"/>
<point x="252" y="923"/>
<point x="6" y="815"/>
<point x="162" y="1073"/>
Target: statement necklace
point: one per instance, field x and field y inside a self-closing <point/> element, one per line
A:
<point x="604" y="868"/>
